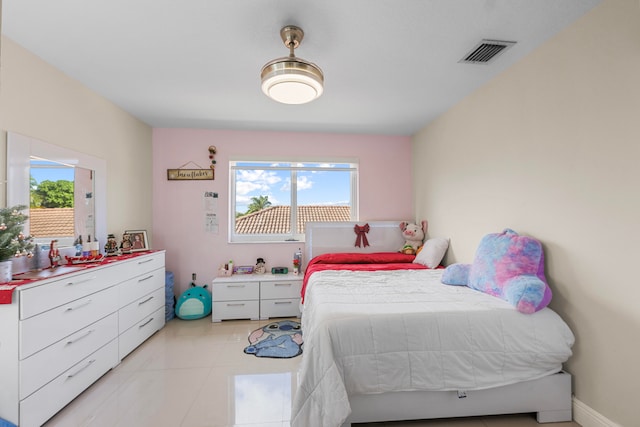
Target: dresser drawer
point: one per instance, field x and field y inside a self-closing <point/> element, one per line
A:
<point x="45" y="365"/>
<point x="49" y="327"/>
<point x="134" y="336"/>
<point x="233" y="291"/>
<point x="44" y="403"/>
<point x="134" y="267"/>
<point x="236" y="310"/>
<point x="279" y="308"/>
<point x="139" y="309"/>
<point x="36" y="300"/>
<point x="280" y="289"/>
<point x="148" y="263"/>
<point x="136" y="288"/>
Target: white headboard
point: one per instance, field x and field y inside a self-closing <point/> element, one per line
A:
<point x="327" y="237"/>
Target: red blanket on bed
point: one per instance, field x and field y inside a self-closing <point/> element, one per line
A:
<point x="359" y="262"/>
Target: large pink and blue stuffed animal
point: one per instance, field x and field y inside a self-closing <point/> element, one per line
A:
<point x="508" y="266"/>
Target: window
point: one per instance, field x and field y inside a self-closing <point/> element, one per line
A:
<point x="272" y="201"/>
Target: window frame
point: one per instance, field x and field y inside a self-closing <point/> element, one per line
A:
<point x="292" y="165"/>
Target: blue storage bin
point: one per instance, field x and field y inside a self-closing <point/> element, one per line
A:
<point x="5" y="423"/>
<point x="170" y="298"/>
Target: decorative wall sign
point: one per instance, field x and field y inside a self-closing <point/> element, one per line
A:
<point x="199" y="174"/>
<point x="189" y="174"/>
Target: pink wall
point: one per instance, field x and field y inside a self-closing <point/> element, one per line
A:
<point x="178" y="220"/>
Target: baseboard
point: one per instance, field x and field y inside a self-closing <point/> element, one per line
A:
<point x="587" y="417"/>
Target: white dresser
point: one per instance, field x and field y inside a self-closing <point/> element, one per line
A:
<point x="256" y="296"/>
<point x="61" y="334"/>
<point x="141" y="302"/>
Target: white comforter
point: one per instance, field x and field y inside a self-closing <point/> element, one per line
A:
<point x="376" y="332"/>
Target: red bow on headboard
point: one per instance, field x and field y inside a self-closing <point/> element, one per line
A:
<point x="361" y="231"/>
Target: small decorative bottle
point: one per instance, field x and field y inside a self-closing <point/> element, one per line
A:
<point x="297" y="261"/>
<point x="78" y="245"/>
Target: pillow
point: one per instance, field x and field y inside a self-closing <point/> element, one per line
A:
<point x="456" y="274"/>
<point x="511" y="267"/>
<point x="432" y="252"/>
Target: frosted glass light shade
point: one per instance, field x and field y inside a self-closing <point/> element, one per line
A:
<point x="292" y="80"/>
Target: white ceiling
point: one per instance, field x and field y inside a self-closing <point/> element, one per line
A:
<point x="391" y="66"/>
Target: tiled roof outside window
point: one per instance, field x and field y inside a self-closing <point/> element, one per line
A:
<point x="275" y="219"/>
<point x="51" y="222"/>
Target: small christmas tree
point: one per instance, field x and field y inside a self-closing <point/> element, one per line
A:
<point x="12" y="241"/>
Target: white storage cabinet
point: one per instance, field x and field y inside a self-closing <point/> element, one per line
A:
<point x="60" y="335"/>
<point x="256" y="296"/>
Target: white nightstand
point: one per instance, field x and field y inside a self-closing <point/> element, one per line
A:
<point x="256" y="296"/>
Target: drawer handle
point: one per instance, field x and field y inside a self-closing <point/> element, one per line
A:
<point x="81" y="281"/>
<point x="86" y="334"/>
<point x="89" y="363"/>
<point x="79" y="306"/>
<point x="235" y="305"/>
<point x="145" y="278"/>
<point x="145" y="261"/>
<point x="282" y="302"/>
<point x="146" y="301"/>
<point x="282" y="284"/>
<point x="145" y="323"/>
<point x="235" y="286"/>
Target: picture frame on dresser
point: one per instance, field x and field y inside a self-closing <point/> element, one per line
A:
<point x="139" y="240"/>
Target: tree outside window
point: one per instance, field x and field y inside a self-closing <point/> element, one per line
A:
<point x="272" y="201"/>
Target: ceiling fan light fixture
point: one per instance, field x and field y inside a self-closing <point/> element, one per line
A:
<point x="292" y="80"/>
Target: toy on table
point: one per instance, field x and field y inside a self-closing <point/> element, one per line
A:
<point x="414" y="235"/>
<point x="126" y="244"/>
<point x="260" y="266"/>
<point x="111" y="247"/>
<point x="54" y="254"/>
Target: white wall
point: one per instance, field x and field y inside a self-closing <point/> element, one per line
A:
<point x="39" y="101"/>
<point x="551" y="148"/>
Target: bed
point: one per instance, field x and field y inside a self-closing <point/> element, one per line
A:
<point x="396" y="344"/>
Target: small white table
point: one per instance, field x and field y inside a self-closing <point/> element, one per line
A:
<point x="256" y="296"/>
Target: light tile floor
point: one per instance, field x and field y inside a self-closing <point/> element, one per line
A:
<point x="195" y="374"/>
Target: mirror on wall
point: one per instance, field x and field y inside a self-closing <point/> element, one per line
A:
<point x="60" y="200"/>
<point x="60" y="174"/>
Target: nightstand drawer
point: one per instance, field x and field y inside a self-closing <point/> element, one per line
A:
<point x="279" y="308"/>
<point x="233" y="291"/>
<point x="280" y="289"/>
<point x="236" y="310"/>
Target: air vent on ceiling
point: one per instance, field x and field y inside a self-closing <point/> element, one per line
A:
<point x="486" y="51"/>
